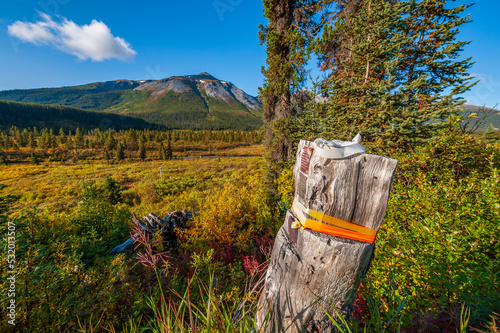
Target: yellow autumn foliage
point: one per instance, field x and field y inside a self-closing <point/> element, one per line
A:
<point x="235" y="212"/>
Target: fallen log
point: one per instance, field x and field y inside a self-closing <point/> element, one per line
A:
<point x="326" y="243"/>
<point x="126" y="246"/>
<point x="152" y="224"/>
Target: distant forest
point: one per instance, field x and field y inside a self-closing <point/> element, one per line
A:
<point x="94" y="96"/>
<point x="26" y="115"/>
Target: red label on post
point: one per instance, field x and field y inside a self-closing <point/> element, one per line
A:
<point x="305" y="159"/>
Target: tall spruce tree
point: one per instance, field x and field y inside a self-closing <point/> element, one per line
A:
<point x="286" y="37"/>
<point x="110" y="141"/>
<point x="62" y="136"/>
<point x="389" y="64"/>
<point x="120" y="154"/>
<point x="132" y="139"/>
<point x="142" y="149"/>
<point x="169" y="148"/>
<point x="31" y="141"/>
<point x="161" y="152"/>
<point x="79" y="142"/>
<point x="24" y="137"/>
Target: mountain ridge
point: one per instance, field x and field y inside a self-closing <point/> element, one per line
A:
<point x="191" y="101"/>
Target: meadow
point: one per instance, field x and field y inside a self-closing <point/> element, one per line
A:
<point x="436" y="266"/>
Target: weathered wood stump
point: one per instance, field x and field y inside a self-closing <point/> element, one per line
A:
<point x="309" y="270"/>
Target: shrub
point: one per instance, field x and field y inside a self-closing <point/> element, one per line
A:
<point x="235" y="213"/>
<point x="112" y="193"/>
<point x="173" y="186"/>
<point x="440" y="238"/>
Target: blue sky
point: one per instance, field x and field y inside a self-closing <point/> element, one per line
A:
<point x="484" y="32"/>
<point x="156" y="39"/>
<point x="169" y="38"/>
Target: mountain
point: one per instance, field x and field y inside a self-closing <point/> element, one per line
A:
<point x="193" y="101"/>
<point x="26" y="115"/>
<point x="485" y="117"/>
<point x="93" y="96"/>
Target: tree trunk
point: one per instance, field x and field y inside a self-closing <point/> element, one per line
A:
<point x="310" y="270"/>
<point x="276" y="92"/>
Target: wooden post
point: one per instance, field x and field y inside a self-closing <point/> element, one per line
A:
<point x="311" y="270"/>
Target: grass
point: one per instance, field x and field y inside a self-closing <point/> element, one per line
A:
<point x="58" y="185"/>
<point x="435" y="269"/>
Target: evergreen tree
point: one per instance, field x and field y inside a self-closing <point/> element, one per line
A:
<point x="169" y="148"/>
<point x="149" y="135"/>
<point x="19" y="138"/>
<point x="33" y="158"/>
<point x="490" y="135"/>
<point x="276" y="91"/>
<point x="112" y="193"/>
<point x="13" y="130"/>
<point x="132" y="139"/>
<point x="79" y="143"/>
<point x="69" y="143"/>
<point x="106" y="155"/>
<point x="120" y="155"/>
<point x="142" y="149"/>
<point x="101" y="140"/>
<point x="110" y="141"/>
<point x="62" y="136"/>
<point x="31" y="141"/>
<point x="51" y="139"/>
<point x="3" y="158"/>
<point x="390" y="63"/>
<point x="161" y="152"/>
<point x="24" y="138"/>
<point x="289" y="22"/>
<point x="43" y="140"/>
<point x="6" y="141"/>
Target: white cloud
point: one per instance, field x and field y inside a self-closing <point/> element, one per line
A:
<point x="90" y="41"/>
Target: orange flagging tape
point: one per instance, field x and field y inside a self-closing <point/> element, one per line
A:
<point x="331" y="225"/>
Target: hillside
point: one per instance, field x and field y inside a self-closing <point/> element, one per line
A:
<point x="492" y="116"/>
<point x="193" y="101"/>
<point x="93" y="96"/>
<point x="26" y="115"/>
